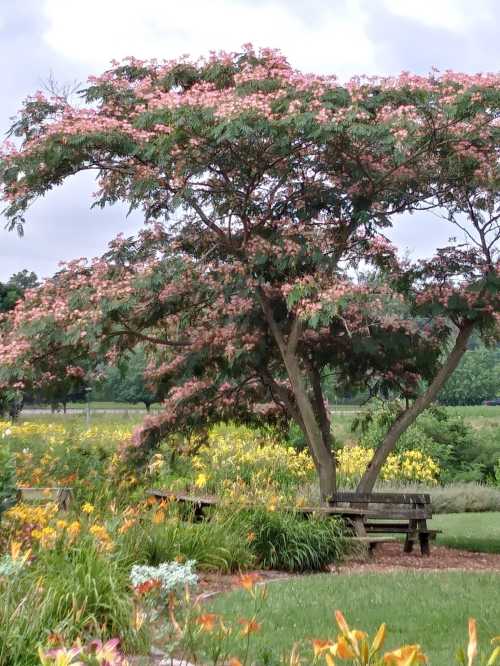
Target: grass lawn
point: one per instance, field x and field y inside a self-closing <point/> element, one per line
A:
<point x="470" y="531"/>
<point x="427" y="608"/>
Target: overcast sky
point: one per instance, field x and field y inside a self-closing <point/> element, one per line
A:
<point x="72" y="39"/>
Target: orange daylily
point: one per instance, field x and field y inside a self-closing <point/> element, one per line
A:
<point x="320" y="646"/>
<point x="342" y="649"/>
<point x="342" y="623"/>
<point x="249" y="626"/>
<point x="158" y="517"/>
<point x="472" y="646"/>
<point x="147" y="586"/>
<point x="208" y="621"/>
<point x="234" y="662"/>
<point x="127" y="524"/>
<point x="248" y="581"/>
<point x="379" y="639"/>
<point x="408" y="655"/>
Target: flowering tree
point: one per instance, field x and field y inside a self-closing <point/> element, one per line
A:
<point x="44" y="361"/>
<point x="267" y="191"/>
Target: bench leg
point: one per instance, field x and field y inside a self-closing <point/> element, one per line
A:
<point x="424" y="544"/>
<point x="410" y="536"/>
<point x="408" y="547"/>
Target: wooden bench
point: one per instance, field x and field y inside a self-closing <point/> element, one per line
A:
<point x="199" y="503"/>
<point x="391" y="513"/>
<point x="61" y="496"/>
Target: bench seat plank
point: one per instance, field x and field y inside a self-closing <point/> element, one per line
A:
<point x="381" y="498"/>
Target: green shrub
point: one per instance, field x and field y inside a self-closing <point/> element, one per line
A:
<point x="285" y="541"/>
<point x="462" y="452"/>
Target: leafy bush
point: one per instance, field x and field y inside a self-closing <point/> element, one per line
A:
<point x="462" y="453"/>
<point x="172" y="577"/>
<point x="285" y="541"/>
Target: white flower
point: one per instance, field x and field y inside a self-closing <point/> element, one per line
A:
<point x="172" y="576"/>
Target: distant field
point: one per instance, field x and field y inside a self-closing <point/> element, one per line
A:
<point x="99" y="405"/>
<point x="343" y="416"/>
<point x="479" y="417"/>
<point x="476" y="411"/>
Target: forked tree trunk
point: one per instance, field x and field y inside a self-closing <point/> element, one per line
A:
<point x="309" y="422"/>
<point x="321" y="453"/>
<point x="408" y="417"/>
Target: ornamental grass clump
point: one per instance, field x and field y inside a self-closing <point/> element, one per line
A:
<point x="60" y="598"/>
<point x="218" y="545"/>
<point x="288" y="542"/>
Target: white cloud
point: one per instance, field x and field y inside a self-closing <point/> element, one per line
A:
<point x="94" y="32"/>
<point x="453" y="15"/>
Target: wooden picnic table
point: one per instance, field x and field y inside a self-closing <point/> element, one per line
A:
<point x="354" y="516"/>
<point x="392" y="513"/>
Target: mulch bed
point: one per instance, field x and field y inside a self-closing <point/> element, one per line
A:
<point x="390" y="557"/>
<point x="387" y="557"/>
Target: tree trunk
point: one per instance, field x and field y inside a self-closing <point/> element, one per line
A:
<point x="321" y="453"/>
<point x="408" y="417"/>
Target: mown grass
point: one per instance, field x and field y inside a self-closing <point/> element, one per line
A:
<point x="469" y="531"/>
<point x="427" y="608"/>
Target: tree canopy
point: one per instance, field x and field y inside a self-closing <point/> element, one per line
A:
<point x="12" y="290"/>
<point x="475" y="380"/>
<point x="266" y="193"/>
<point x="126" y="381"/>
